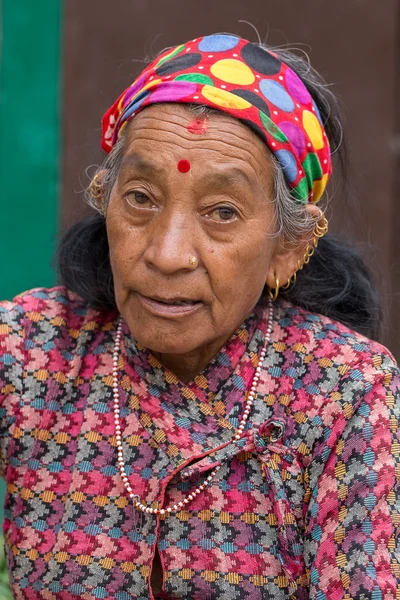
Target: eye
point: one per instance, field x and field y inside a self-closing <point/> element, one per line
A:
<point x="224" y="213"/>
<point x="137" y="199"/>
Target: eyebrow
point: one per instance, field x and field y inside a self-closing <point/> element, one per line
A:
<point x="230" y="177"/>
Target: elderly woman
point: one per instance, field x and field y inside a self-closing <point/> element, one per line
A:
<point x="198" y="411"/>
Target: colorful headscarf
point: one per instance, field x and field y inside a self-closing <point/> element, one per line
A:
<point x="248" y="82"/>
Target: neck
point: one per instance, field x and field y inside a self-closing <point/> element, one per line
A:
<point x="187" y="366"/>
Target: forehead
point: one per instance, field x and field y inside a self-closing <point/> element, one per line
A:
<point x="170" y="132"/>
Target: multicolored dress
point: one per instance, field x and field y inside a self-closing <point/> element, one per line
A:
<point x="305" y="504"/>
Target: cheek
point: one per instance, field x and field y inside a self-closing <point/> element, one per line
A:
<point x="238" y="271"/>
<point x="123" y="248"/>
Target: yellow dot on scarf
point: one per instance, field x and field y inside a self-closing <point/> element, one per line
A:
<point x="313" y="128"/>
<point x="224" y="98"/>
<point x="318" y="188"/>
<point x="233" y="71"/>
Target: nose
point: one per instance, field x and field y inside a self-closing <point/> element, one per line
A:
<point x="170" y="246"/>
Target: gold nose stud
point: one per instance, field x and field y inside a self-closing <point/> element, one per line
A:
<point x="192" y="260"/>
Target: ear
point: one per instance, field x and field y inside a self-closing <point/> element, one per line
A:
<point x="96" y="191"/>
<point x="286" y="257"/>
<point x="98" y="180"/>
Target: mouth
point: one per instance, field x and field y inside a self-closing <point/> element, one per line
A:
<point x="173" y="306"/>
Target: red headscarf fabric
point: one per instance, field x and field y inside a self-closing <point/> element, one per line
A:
<point x="248" y="82"/>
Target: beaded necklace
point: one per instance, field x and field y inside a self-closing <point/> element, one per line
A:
<point x="247" y="409"/>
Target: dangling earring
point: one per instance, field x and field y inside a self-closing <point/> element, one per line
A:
<point x="274" y="294"/>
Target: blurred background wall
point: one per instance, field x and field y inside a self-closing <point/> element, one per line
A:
<point x="64" y="62"/>
<point x="30" y="127"/>
<point x="30" y="145"/>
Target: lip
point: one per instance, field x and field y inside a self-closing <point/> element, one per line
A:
<point x="168" y="310"/>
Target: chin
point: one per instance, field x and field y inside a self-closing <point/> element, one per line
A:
<point x="169" y="344"/>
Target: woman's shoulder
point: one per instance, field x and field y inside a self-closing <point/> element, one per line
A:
<point x="44" y="300"/>
<point x="329" y="342"/>
<point x="328" y="375"/>
<point x="36" y="313"/>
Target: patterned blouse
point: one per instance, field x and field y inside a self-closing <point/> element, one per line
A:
<point x="305" y="504"/>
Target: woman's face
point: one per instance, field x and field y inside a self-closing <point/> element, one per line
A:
<point x="216" y="206"/>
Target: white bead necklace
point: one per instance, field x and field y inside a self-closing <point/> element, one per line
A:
<point x="166" y="511"/>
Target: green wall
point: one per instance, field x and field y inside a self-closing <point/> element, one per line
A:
<point x="30" y="76"/>
<point x="29" y="142"/>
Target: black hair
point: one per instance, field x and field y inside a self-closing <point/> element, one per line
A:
<point x="335" y="282"/>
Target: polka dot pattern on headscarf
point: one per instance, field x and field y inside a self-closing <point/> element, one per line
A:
<point x="247" y="82"/>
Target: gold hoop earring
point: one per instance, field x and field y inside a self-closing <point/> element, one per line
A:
<point x="290" y="281"/>
<point x="273" y="295"/>
<point x="308" y="254"/>
<point x="320" y="229"/>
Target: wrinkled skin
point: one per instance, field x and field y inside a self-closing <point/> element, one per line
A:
<point x="221" y="211"/>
